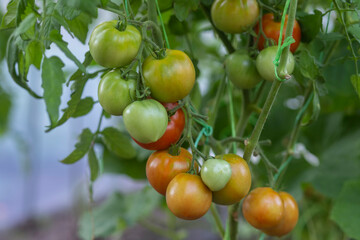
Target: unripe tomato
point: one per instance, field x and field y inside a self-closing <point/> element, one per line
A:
<point x="187" y="196"/>
<point x="263" y="208"/>
<point x="241" y="70"/>
<point x="289" y="219"/>
<point x="271" y="29"/>
<point x="215" y="173"/>
<point x="266" y="67"/>
<point x="170" y="78"/>
<point x="145" y="120"/>
<point x="162" y="167"/>
<point x="173" y="131"/>
<point x="234" y="16"/>
<point x="111" y="47"/>
<point x="115" y="93"/>
<point x="239" y="183"/>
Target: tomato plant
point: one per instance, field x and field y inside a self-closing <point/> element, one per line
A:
<point x="233" y="192"/>
<point x="234" y="16"/>
<point x="113" y="47"/>
<point x="173" y="131"/>
<point x="115" y="93"/>
<point x="271" y="29"/>
<point x="265" y="65"/>
<point x="162" y="167"/>
<point x="241" y="70"/>
<point x="146" y="120"/>
<point x="170" y="78"/>
<point x="215" y="173"/>
<point x="188" y="197"/>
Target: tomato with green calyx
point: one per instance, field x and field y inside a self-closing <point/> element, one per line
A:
<point x="115" y="93"/>
<point x="239" y="183"/>
<point x="112" y="47"/>
<point x="188" y="197"/>
<point x="162" y="167"/>
<point x="170" y="78"/>
<point x="266" y="67"/>
<point x="145" y="120"/>
<point x="289" y="219"/>
<point x="173" y="131"/>
<point x="234" y="16"/>
<point x="271" y="29"/>
<point x="241" y="70"/>
<point x="263" y="208"/>
<point x="215" y="173"/>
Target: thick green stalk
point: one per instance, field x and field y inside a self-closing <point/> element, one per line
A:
<point x="152" y="15"/>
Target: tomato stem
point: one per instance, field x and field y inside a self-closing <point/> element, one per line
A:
<point x="152" y="15"/>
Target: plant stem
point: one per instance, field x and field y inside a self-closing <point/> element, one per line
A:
<point x="232" y="115"/>
<point x="152" y="15"/>
<point x="217" y="219"/>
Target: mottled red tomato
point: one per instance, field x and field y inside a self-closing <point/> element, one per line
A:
<point x="173" y="131"/>
<point x="162" y="167"/>
<point x="188" y="197"/>
<point x="271" y="29"/>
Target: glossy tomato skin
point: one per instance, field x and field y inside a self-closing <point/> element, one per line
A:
<point x="289" y="219"/>
<point x="241" y="70"/>
<point x="111" y="47"/>
<point x="234" y="16"/>
<point x="187" y="196"/>
<point x="115" y="93"/>
<point x="173" y="131"/>
<point x="271" y="29"/>
<point x="170" y="78"/>
<point x="145" y="120"/>
<point x="266" y="67"/>
<point x="162" y="167"/>
<point x="215" y="173"/>
<point x="239" y="183"/>
<point x="263" y="208"/>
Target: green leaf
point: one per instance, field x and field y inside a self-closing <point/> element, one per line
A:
<point x="86" y="6"/>
<point x="355" y="31"/>
<point x="355" y="80"/>
<point x="34" y="53"/>
<point x="26" y="24"/>
<point x="307" y="65"/>
<point x="67" y="12"/>
<point x="80" y="26"/>
<point x="118" y="143"/>
<point x="9" y="19"/>
<point x="83" y="107"/>
<point x="182" y="8"/>
<point x="5" y="108"/>
<point x="333" y="36"/>
<point x="57" y="39"/>
<point x="52" y="81"/>
<point x="346" y="210"/>
<point x="81" y="147"/>
<point x="93" y="164"/>
<point x="79" y="74"/>
<point x="310" y="25"/>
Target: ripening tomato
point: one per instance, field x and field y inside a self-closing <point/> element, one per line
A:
<point x="271" y="29"/>
<point x="239" y="183"/>
<point x="215" y="173"/>
<point x="115" y="93"/>
<point x="111" y="47"/>
<point x="170" y="78"/>
<point x="188" y="197"/>
<point x="173" y="131"/>
<point x="289" y="219"/>
<point x="162" y="167"/>
<point x="263" y="208"/>
<point x="146" y="120"/>
<point x="234" y="16"/>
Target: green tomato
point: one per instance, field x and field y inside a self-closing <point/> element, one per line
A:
<point x="111" y="47"/>
<point x="266" y="67"/>
<point x="215" y="173"/>
<point x="115" y="93"/>
<point x="146" y="120"/>
<point x="241" y="70"/>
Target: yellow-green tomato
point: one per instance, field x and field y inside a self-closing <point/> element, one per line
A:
<point x="241" y="70"/>
<point x="111" y="47"/>
<point x="215" y="173"/>
<point x="115" y="93"/>
<point x="146" y="120"/>
<point x="170" y="78"/>
<point x="266" y="67"/>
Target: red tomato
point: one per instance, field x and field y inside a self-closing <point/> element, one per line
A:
<point x="272" y="30"/>
<point x="173" y="131"/>
<point x="188" y="197"/>
<point x="162" y="167"/>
